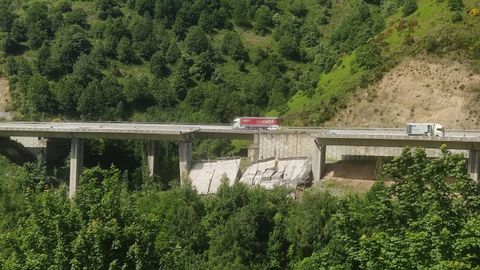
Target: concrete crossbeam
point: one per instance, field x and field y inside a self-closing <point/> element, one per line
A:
<point x="399" y="141"/>
<point x="76" y="165"/>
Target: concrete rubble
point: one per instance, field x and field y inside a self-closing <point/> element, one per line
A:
<point x="207" y="176"/>
<point x="290" y="172"/>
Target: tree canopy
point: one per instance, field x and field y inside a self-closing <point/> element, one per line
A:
<point x="426" y="217"/>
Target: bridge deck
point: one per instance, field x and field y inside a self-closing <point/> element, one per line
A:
<point x="452" y="141"/>
<point x="122" y="131"/>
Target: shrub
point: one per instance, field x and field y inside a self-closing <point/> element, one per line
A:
<point x="232" y="45"/>
<point x="409" y="7"/>
<point x="197" y="41"/>
<point x="431" y="44"/>
<point x="457" y="17"/>
<point x="455" y="5"/>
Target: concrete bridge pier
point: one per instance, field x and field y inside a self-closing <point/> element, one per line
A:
<point x="318" y="160"/>
<point x="254" y="148"/>
<point x="76" y="165"/>
<point x="184" y="159"/>
<point x="152" y="159"/>
<point x="474" y="165"/>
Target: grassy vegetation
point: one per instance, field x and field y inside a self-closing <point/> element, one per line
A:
<point x="429" y="29"/>
<point x="300" y="65"/>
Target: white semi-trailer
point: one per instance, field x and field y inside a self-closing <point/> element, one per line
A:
<point x="425" y="129"/>
<point x="270" y="123"/>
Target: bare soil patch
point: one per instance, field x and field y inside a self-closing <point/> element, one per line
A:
<point x="346" y="177"/>
<point x="4" y="99"/>
<point x="351" y="170"/>
<point x="417" y="90"/>
<point x="4" y="93"/>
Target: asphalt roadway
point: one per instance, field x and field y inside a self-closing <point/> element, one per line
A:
<point x="124" y="130"/>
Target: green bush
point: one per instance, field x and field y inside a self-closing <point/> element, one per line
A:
<point x="409" y="7"/>
<point x="232" y="45"/>
<point x="455" y="5"/>
<point x="369" y="56"/>
<point x="197" y="41"/>
<point x="457" y="17"/>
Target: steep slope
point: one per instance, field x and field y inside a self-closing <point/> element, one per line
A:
<point x="4" y="97"/>
<point x="435" y="30"/>
<point x="417" y="90"/>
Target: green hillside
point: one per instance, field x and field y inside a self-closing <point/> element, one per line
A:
<point x="200" y="61"/>
<point x="209" y="61"/>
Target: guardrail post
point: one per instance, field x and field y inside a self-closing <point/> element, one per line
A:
<point x="318" y="160"/>
<point x="76" y="165"/>
<point x="473" y="165"/>
<point x="184" y="159"/>
<point x="152" y="159"/>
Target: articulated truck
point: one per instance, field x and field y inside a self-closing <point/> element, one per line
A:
<point x="425" y="129"/>
<point x="269" y="123"/>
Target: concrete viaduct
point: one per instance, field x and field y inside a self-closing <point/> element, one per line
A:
<point x="77" y="132"/>
<point x="293" y="142"/>
<point x="468" y="141"/>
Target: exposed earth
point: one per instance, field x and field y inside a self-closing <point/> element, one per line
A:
<point x="345" y="177"/>
<point x="4" y="98"/>
<point x="417" y="90"/>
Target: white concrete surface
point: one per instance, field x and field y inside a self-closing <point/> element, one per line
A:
<point x="261" y="168"/>
<point x="201" y="176"/>
<point x="290" y="172"/>
<point x="32" y="142"/>
<point x="207" y="176"/>
<point x="34" y="145"/>
<point x="76" y="165"/>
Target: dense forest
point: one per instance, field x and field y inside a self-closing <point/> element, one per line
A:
<point x="427" y="218"/>
<point x="212" y="60"/>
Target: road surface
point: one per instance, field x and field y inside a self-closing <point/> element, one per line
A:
<point x="124" y="130"/>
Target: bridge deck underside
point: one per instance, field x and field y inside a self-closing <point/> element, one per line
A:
<point x="403" y="141"/>
<point x="123" y="131"/>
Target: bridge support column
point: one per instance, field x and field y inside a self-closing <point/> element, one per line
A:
<point x="318" y="161"/>
<point x="474" y="165"/>
<point x="254" y="148"/>
<point x="152" y="159"/>
<point x="76" y="165"/>
<point x="184" y="159"/>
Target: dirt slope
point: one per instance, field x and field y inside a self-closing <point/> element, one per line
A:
<point x="4" y="98"/>
<point x="3" y="93"/>
<point x="417" y="90"/>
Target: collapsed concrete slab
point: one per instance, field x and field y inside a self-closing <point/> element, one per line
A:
<point x="291" y="172"/>
<point x="206" y="176"/>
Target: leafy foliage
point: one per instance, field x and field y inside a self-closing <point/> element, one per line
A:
<point x="410" y="224"/>
<point x="228" y="43"/>
<point x="427" y="218"/>
<point x="409" y="7"/>
<point x="184" y="44"/>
